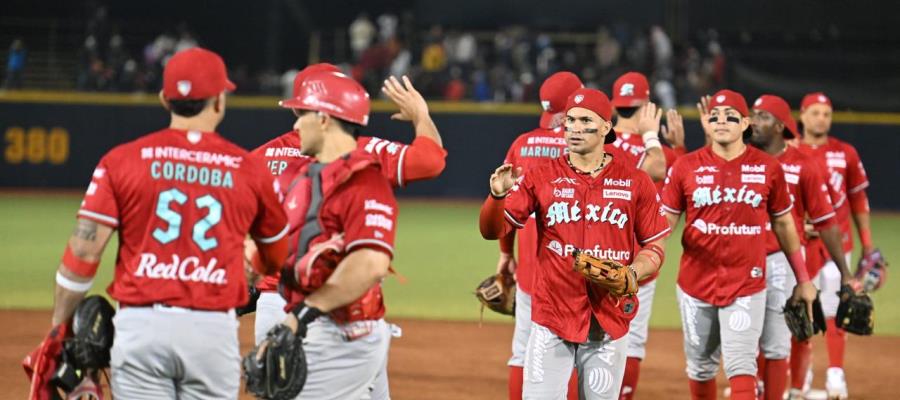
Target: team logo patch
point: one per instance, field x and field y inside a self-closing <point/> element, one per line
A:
<point x="792" y="178"/>
<point x="756" y="272"/>
<point x="578" y="98"/>
<point x="183" y="87"/>
<point x="628" y="307"/>
<point x="706" y="168"/>
<point x="753" y="178"/>
<point x="720" y="98"/>
<point x="822" y="99"/>
<point x="570" y="181"/>
<point x="627" y="90"/>
<point x="758" y="102"/>
<point x="545" y="105"/>
<point x="704" y="179"/>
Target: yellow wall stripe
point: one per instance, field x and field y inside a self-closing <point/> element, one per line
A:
<point x="437" y="107"/>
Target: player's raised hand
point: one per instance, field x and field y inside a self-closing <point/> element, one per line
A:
<point x="648" y="118"/>
<point x="703" y="109"/>
<point x="673" y="131"/>
<point x="806" y="293"/>
<point x="503" y="179"/>
<point x="412" y="105"/>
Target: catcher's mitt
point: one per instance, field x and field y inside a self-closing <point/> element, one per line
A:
<point x="618" y="279"/>
<point x="856" y="312"/>
<point x="799" y="322"/>
<point x="279" y="373"/>
<point x="872" y="271"/>
<point x="498" y="293"/>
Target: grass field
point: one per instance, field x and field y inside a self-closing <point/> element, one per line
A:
<point x="439" y="252"/>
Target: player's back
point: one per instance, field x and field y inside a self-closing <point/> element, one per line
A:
<point x="183" y="202"/>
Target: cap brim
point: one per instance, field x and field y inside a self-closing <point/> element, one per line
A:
<point x="611" y="136"/>
<point x="546" y="119"/>
<point x="229" y="85"/>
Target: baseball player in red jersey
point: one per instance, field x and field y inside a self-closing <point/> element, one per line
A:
<point x="338" y="199"/>
<point x="728" y="190"/>
<point x="636" y="114"/>
<point x="529" y="150"/>
<point x="772" y="125"/>
<point x="588" y="200"/>
<point x="848" y="177"/>
<point x="399" y="163"/>
<point x="182" y="199"/>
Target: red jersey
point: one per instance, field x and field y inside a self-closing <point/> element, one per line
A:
<point x="726" y="205"/>
<point x="845" y="173"/>
<point x="183" y="202"/>
<point x="631" y="147"/>
<point x="391" y="156"/>
<point x="809" y="193"/>
<point x="529" y="150"/>
<point x="608" y="216"/>
<point x="279" y="152"/>
<point x="349" y="196"/>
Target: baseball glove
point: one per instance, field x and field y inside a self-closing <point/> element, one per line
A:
<point x="498" y="293"/>
<point x="856" y="312"/>
<point x="872" y="271"/>
<point x="612" y="275"/>
<point x="799" y="322"/>
<point x="279" y="373"/>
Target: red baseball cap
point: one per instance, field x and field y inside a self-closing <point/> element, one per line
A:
<point x="731" y="99"/>
<point x="194" y="74"/>
<point x="554" y="92"/>
<point x="332" y="93"/>
<point x="779" y="109"/>
<point x="631" y="90"/>
<point x="815" y="98"/>
<point x="310" y="70"/>
<point x="596" y="101"/>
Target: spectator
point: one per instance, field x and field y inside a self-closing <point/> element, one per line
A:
<point x="361" y="32"/>
<point x="15" y="65"/>
<point x="387" y="26"/>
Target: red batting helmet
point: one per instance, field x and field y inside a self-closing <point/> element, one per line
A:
<point x="332" y="93"/>
<point x="311" y="70"/>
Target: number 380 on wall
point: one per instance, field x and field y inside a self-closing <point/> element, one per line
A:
<point x="36" y="146"/>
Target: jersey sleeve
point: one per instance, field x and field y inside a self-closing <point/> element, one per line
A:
<point x="369" y="213"/>
<point x="100" y="204"/>
<point x="779" y="202"/>
<point x="816" y="196"/>
<point x="651" y="222"/>
<point x="423" y="159"/>
<point x="673" y="191"/>
<point x="270" y="223"/>
<point x="856" y="174"/>
<point x="521" y="202"/>
<point x="512" y="154"/>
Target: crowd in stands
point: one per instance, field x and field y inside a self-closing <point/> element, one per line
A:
<point x="445" y="63"/>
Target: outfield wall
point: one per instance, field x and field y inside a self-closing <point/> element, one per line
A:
<point x="53" y="140"/>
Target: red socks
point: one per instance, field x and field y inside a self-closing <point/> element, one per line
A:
<point x="516" y="378"/>
<point x="630" y="380"/>
<point x="775" y="378"/>
<point x="705" y="390"/>
<point x="836" y="339"/>
<point x="800" y="358"/>
<point x="573" y="386"/>
<point x="743" y="387"/>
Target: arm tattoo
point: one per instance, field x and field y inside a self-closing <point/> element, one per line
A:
<point x="86" y="230"/>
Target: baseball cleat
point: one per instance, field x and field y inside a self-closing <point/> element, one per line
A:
<point x="835" y="384"/>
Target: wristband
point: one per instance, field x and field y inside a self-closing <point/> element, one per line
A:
<point x="499" y="196"/>
<point x="79" y="266"/>
<point x="798" y="264"/>
<point x="69" y="284"/>
<point x="865" y="237"/>
<point x="651" y="140"/>
<point x="306" y="314"/>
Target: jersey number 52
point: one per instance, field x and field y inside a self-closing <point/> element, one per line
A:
<point x="173" y="219"/>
